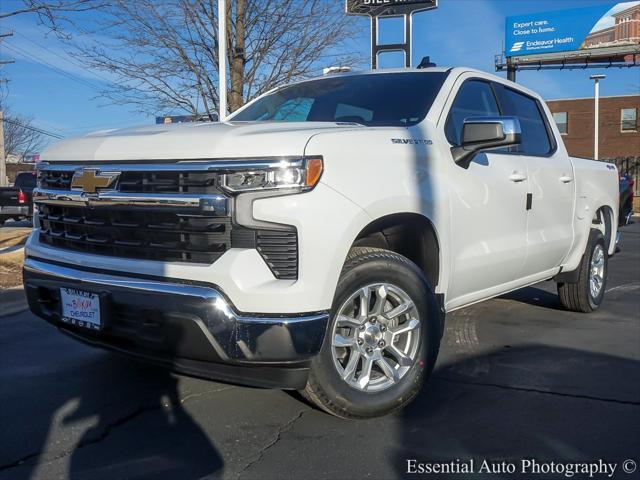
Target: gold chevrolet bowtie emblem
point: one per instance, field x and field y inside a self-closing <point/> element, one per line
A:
<point x="89" y="179"/>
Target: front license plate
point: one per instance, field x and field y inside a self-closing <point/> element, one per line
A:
<point x="81" y="308"/>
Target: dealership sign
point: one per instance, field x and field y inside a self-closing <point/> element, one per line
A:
<point x="609" y="25"/>
<point x="381" y="8"/>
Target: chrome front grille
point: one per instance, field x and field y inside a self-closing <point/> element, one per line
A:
<point x="167" y="212"/>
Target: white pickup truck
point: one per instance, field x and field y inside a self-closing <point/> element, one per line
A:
<point x="316" y="239"/>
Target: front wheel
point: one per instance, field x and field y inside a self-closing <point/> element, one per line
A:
<point x="383" y="338"/>
<point x="587" y="293"/>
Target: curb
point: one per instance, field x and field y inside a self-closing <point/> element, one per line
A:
<point x="14" y="248"/>
<point x="12" y="301"/>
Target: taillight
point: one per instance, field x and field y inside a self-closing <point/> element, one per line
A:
<point x="22" y="197"/>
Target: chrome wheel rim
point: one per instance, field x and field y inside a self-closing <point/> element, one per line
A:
<point x="596" y="271"/>
<point x="376" y="337"/>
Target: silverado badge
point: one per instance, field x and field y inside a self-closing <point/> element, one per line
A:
<point x="90" y="179"/>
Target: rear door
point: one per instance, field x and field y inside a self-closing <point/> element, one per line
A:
<point x="551" y="183"/>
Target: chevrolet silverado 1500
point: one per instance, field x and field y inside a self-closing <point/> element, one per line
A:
<point x="316" y="238"/>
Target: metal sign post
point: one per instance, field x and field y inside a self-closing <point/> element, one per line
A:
<point x="222" y="59"/>
<point x="376" y="9"/>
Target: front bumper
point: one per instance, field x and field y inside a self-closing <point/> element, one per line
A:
<point x="192" y="329"/>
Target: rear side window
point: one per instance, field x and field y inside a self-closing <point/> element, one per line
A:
<point x="474" y="99"/>
<point x="25" y="180"/>
<point x="535" y="135"/>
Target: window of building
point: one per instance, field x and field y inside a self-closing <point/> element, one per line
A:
<point x="561" y="120"/>
<point x="474" y="99"/>
<point x="535" y="135"/>
<point x="629" y="119"/>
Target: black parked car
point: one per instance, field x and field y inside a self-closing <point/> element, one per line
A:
<point x="17" y="202"/>
<point x="626" y="199"/>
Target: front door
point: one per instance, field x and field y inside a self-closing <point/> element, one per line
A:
<point x="488" y="205"/>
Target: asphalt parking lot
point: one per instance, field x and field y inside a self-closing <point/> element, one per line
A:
<point x="517" y="378"/>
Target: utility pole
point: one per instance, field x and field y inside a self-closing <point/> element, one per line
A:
<point x="3" y="160"/>
<point x="596" y="122"/>
<point x="222" y="59"/>
<point x="4" y="35"/>
<point x="511" y="70"/>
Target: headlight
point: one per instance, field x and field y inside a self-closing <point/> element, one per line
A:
<point x="300" y="176"/>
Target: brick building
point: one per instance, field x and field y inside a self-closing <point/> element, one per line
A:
<point x="619" y="125"/>
<point x="626" y="30"/>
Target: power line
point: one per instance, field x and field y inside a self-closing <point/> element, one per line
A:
<point x="34" y="129"/>
<point x="65" y="58"/>
<point x="44" y="63"/>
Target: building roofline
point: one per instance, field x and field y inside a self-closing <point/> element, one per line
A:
<point x="591" y="98"/>
<point x="626" y="10"/>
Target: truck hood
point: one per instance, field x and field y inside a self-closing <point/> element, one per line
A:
<point x="191" y="141"/>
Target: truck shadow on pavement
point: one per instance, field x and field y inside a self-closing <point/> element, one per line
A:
<point x="536" y="297"/>
<point x="138" y="407"/>
<point x="531" y="401"/>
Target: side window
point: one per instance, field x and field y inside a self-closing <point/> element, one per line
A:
<point x="474" y="99"/>
<point x="535" y="136"/>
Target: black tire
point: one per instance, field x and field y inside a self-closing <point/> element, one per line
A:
<point x="577" y="297"/>
<point x="325" y="386"/>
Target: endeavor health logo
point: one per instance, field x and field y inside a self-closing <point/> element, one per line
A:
<point x="517" y="47"/>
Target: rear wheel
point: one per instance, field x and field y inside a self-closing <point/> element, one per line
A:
<point x="383" y="338"/>
<point x="587" y="293"/>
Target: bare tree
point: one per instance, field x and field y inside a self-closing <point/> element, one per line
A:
<point x="20" y="136"/>
<point x="163" y="55"/>
<point x="50" y="12"/>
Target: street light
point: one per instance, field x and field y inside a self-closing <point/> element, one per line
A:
<point x="596" y="79"/>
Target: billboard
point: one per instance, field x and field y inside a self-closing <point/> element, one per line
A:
<point x="185" y="118"/>
<point x="381" y="8"/>
<point x="608" y="25"/>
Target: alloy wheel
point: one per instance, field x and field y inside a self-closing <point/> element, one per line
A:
<point x="376" y="337"/>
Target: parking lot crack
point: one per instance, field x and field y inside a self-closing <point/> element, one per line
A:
<point x="539" y="391"/>
<point x="106" y="431"/>
<point x="278" y="436"/>
<point x="97" y="439"/>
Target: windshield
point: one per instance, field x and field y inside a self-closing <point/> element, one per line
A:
<point x="390" y="99"/>
<point x="26" y="180"/>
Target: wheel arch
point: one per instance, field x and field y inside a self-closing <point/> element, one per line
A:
<point x="604" y="220"/>
<point x="409" y="234"/>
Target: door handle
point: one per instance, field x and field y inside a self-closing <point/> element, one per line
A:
<point x="517" y="177"/>
<point x="566" y="179"/>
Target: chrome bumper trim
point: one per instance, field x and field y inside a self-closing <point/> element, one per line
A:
<point x="213" y="204"/>
<point x="217" y="301"/>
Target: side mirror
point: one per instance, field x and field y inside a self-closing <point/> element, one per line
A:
<point x="483" y="133"/>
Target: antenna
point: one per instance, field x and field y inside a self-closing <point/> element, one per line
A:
<point x="426" y="63"/>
